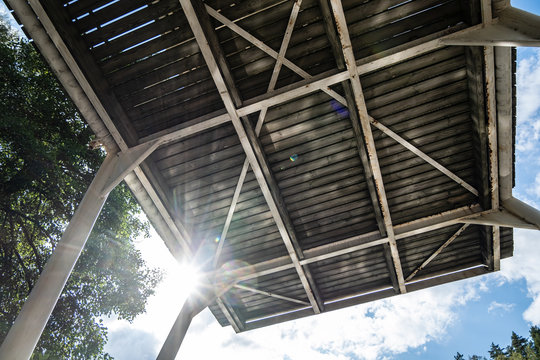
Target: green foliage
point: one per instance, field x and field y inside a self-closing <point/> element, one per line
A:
<point x="45" y="169"/>
<point x="520" y="348"/>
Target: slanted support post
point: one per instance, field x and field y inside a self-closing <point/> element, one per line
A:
<point x="26" y="331"/>
<point x="178" y="332"/>
<point x="192" y="306"/>
<point x="210" y="291"/>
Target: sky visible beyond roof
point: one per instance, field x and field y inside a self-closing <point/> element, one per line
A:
<point x="435" y="323"/>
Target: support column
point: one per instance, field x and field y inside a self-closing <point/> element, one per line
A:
<point x="26" y="331"/>
<point x="194" y="304"/>
<point x="178" y="332"/>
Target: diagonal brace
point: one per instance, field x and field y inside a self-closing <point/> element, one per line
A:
<point x="437" y="252"/>
<point x="253" y="151"/>
<point x="423" y="155"/>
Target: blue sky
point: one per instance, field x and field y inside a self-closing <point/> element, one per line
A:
<point x="435" y="323"/>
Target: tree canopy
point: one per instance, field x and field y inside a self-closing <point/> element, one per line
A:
<point x="520" y="348"/>
<point x="45" y="169"/>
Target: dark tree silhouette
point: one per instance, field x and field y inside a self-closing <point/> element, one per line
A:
<point x="520" y="348"/>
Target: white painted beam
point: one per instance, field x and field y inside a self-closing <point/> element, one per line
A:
<point x="271" y="294"/>
<point x="491" y="113"/>
<point x="262" y="115"/>
<point x="343" y="32"/>
<point x="437" y="252"/>
<point x="309" y="85"/>
<point x="358" y="242"/>
<point x="523" y="211"/>
<point x="55" y="51"/>
<point x="247" y="146"/>
<point x="505" y="141"/>
<point x="503" y="218"/>
<point x="128" y="160"/>
<point x="267" y="49"/>
<point x="194" y="304"/>
<point x="494" y="34"/>
<point x="423" y="156"/>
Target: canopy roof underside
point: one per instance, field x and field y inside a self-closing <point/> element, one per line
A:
<point x="315" y="190"/>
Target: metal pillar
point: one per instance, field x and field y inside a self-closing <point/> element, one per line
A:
<point x="25" y="332"/>
<point x="193" y="305"/>
<point x="178" y="332"/>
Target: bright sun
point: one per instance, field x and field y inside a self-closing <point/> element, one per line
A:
<point x="190" y="277"/>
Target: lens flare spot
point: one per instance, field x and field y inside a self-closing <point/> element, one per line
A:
<point x="217" y="239"/>
<point x="341" y="110"/>
<point x="293" y="157"/>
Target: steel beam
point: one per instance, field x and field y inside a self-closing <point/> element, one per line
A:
<point x="177" y="333"/>
<point x="523" y="211"/>
<point x="128" y="160"/>
<point x="491" y="113"/>
<point x="262" y="115"/>
<point x="360" y="144"/>
<point x="370" y="296"/>
<point x="356" y="243"/>
<point x="68" y="71"/>
<point x="501" y="217"/>
<point x="437" y="252"/>
<point x="346" y="45"/>
<point x="271" y="294"/>
<point x="423" y="156"/>
<point x="194" y="304"/>
<point x="505" y="141"/>
<point x="307" y="86"/>
<point x="267" y="49"/>
<point x="250" y="145"/>
<point x="511" y="27"/>
<point x="496" y="33"/>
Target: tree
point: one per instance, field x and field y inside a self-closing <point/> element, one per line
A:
<point x="520" y="348"/>
<point x="45" y="169"/>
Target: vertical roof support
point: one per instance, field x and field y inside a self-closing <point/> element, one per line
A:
<point x="350" y="61"/>
<point x="194" y="304"/>
<point x="252" y="147"/>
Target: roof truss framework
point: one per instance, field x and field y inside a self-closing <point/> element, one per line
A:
<point x="409" y="245"/>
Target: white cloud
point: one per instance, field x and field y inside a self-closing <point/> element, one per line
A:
<point x="528" y="88"/>
<point x="372" y="331"/>
<point x="495" y="306"/>
<point x="525" y="265"/>
<point x="535" y="188"/>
